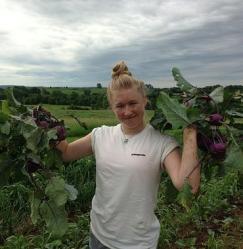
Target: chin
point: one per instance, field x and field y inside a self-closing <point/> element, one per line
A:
<point x="132" y="123"/>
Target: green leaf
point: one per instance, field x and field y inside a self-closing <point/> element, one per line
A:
<point x="170" y="191"/>
<point x="185" y="196"/>
<point x="24" y="128"/>
<point x="13" y="102"/>
<point x="5" y="128"/>
<point x="193" y="114"/>
<point x="55" y="218"/>
<point x="5" y="169"/>
<point x="33" y="139"/>
<point x="53" y="159"/>
<point x="52" y="134"/>
<point x="72" y="192"/>
<point x="217" y="95"/>
<point x="182" y="83"/>
<point x="3" y="117"/>
<point x="174" y="112"/>
<point x="5" y="107"/>
<point x="234" y="158"/>
<point x="34" y="205"/>
<point x="235" y="114"/>
<point x="56" y="191"/>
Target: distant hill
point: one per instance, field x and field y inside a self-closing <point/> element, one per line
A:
<point x="5" y="86"/>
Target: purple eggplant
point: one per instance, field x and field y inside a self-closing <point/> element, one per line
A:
<point x="218" y="150"/>
<point x="42" y="124"/>
<point x="216" y="119"/>
<point x="61" y="133"/>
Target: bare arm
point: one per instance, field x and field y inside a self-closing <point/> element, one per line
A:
<point x="77" y="149"/>
<point x="180" y="167"/>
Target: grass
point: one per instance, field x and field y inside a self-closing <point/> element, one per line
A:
<point x="92" y="119"/>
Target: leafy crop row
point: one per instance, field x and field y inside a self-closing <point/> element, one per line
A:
<point x="27" y="154"/>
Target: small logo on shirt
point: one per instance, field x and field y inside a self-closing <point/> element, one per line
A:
<point x="137" y="154"/>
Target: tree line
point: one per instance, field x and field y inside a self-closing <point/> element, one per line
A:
<point x="89" y="98"/>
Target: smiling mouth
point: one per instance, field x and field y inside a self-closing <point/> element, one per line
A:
<point x="128" y="118"/>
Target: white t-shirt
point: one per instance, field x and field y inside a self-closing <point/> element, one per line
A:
<point x="127" y="181"/>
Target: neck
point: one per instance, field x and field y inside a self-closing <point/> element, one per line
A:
<point x="132" y="131"/>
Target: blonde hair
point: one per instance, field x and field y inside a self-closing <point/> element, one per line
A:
<point x="122" y="79"/>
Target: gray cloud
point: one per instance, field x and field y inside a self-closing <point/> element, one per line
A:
<point x="59" y="41"/>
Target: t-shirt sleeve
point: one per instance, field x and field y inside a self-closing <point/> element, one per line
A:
<point x="93" y="139"/>
<point x="96" y="134"/>
<point x="169" y="144"/>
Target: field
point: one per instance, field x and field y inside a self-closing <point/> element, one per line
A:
<point x="213" y="219"/>
<point x="92" y="118"/>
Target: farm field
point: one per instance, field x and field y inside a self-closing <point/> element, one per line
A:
<point x="212" y="219"/>
<point x="92" y="119"/>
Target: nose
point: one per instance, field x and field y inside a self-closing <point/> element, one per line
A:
<point x="127" y="110"/>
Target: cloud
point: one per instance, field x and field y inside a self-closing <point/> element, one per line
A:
<point x="78" y="42"/>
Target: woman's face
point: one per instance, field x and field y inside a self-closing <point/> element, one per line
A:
<point x="128" y="106"/>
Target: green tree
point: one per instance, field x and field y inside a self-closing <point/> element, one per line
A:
<point x="99" y="85"/>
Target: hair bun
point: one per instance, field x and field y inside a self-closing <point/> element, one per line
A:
<point x="119" y="69"/>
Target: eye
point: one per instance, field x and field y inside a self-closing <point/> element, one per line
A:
<point x="119" y="106"/>
<point x="132" y="103"/>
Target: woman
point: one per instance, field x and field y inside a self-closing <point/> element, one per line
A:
<point x="129" y="159"/>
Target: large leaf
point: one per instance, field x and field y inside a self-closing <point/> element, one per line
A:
<point x="182" y="83"/>
<point x="55" y="218"/>
<point x="234" y="158"/>
<point x="72" y="192"/>
<point x="217" y="95"/>
<point x="174" y="112"/>
<point x="193" y="114"/>
<point x="33" y="139"/>
<point x="53" y="159"/>
<point x="56" y="191"/>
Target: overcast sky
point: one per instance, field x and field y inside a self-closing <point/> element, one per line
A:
<point x="77" y="42"/>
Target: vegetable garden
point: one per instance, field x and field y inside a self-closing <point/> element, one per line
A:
<point x="45" y="203"/>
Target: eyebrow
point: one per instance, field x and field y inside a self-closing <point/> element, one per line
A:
<point x="130" y="101"/>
